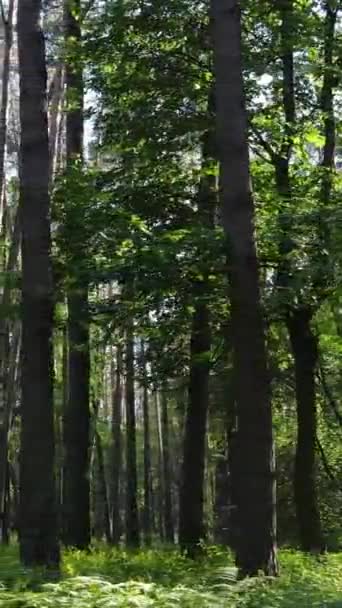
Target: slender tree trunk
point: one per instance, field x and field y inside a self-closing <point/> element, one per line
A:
<point x="147" y="460"/>
<point x="161" y="493"/>
<point x="8" y="30"/>
<point x="298" y="317"/>
<point x="254" y="469"/>
<point x="102" y="494"/>
<point x="117" y="444"/>
<point x="168" y="506"/>
<point x="77" y="414"/>
<point x="132" y="516"/>
<point x="191" y="525"/>
<point x="56" y="94"/>
<point x="5" y="349"/>
<point x="38" y="520"/>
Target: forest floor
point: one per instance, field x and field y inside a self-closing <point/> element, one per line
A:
<point x="106" y="578"/>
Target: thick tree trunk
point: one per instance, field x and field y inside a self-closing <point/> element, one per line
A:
<point x="77" y="415"/>
<point x="305" y="349"/>
<point x="116" y="374"/>
<point x="132" y="516"/>
<point x="254" y="469"/>
<point x="168" y="506"/>
<point x="191" y="525"/>
<point x="38" y="521"/>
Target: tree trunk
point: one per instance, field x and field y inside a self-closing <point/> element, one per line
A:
<point x="305" y="349"/>
<point x="56" y="94"/>
<point x="254" y="469"/>
<point x="168" y="507"/>
<point x="147" y="461"/>
<point x="117" y="444"/>
<point x="102" y="494"/>
<point x="38" y="520"/>
<point x="132" y="517"/>
<point x="160" y="477"/>
<point x="298" y="318"/>
<point x="77" y="414"/>
<point x="5" y="351"/>
<point x="191" y="525"/>
<point x="8" y="30"/>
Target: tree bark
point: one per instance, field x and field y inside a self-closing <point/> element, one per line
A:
<point x="254" y="469"/>
<point x="305" y="349"/>
<point x="38" y="520"/>
<point x="298" y="317"/>
<point x="8" y="29"/>
<point x="147" y="460"/>
<point x="191" y="525"/>
<point x="168" y="506"/>
<point x="117" y="444"/>
<point x="77" y="414"/>
<point x="102" y="494"/>
<point x="132" y="516"/>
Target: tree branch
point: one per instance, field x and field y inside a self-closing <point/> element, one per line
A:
<point x="328" y="394"/>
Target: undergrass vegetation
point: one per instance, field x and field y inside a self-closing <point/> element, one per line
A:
<point x="111" y="578"/>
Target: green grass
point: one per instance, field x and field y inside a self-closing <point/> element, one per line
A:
<point x="163" y="579"/>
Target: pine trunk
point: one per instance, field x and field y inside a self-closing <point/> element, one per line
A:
<point x="191" y="525"/>
<point x="168" y="506"/>
<point x="117" y="444"/>
<point x="38" y="518"/>
<point x="132" y="516"/>
<point x="254" y="468"/>
<point x="305" y="349"/>
<point x="76" y="493"/>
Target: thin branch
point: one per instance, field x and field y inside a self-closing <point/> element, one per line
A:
<point x="325" y="462"/>
<point x="264" y="143"/>
<point x="328" y="394"/>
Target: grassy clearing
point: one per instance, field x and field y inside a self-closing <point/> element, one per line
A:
<point x="163" y="579"/>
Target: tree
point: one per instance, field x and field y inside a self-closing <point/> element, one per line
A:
<point x="254" y="458"/>
<point x="38" y="523"/>
<point x="76" y="498"/>
<point x="132" y="515"/>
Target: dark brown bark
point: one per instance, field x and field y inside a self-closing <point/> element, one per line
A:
<point x="297" y="316"/>
<point x="117" y="444"/>
<point x="305" y="349"/>
<point x="76" y="494"/>
<point x="132" y="515"/>
<point x="191" y="525"/>
<point x="76" y="429"/>
<point x="254" y="468"/>
<point x="38" y="521"/>
<point x="168" y="502"/>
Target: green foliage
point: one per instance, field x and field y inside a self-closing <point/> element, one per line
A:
<point x="163" y="579"/>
